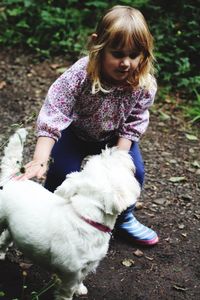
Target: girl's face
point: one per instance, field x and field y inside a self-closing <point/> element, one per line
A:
<point x="119" y="65"/>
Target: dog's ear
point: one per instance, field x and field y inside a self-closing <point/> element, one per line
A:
<point x="110" y="206"/>
<point x="69" y="187"/>
<point x="115" y="203"/>
<point x="122" y="198"/>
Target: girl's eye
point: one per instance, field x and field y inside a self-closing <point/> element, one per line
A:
<point x="117" y="54"/>
<point x="134" y="55"/>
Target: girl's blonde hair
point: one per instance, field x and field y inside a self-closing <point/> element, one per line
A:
<point x="122" y="26"/>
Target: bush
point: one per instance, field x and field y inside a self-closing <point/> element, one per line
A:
<point x="53" y="26"/>
<point x="45" y="27"/>
<point x="62" y="26"/>
<point x="175" y="25"/>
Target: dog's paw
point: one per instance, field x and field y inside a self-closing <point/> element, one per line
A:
<point x="82" y="290"/>
<point x="58" y="297"/>
<point x="61" y="296"/>
<point x="2" y="256"/>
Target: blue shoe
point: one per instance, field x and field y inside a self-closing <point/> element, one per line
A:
<point x="127" y="226"/>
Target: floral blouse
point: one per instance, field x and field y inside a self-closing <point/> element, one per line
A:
<point x="122" y="112"/>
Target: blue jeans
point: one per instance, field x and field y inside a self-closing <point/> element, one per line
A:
<point x="69" y="152"/>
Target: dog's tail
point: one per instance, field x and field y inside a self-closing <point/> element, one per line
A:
<point x="12" y="158"/>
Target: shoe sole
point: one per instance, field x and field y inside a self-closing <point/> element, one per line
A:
<point x="124" y="236"/>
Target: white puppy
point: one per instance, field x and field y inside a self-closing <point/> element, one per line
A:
<point x="66" y="231"/>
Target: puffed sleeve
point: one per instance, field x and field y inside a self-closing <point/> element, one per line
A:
<point x="138" y="119"/>
<point x="56" y="113"/>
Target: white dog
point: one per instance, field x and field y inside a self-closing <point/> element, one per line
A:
<point x="66" y="231"/>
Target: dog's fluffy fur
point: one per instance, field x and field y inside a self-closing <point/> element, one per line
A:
<point x="47" y="227"/>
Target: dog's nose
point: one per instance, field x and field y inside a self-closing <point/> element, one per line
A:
<point x="84" y="161"/>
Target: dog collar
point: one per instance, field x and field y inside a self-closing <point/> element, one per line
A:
<point x="97" y="225"/>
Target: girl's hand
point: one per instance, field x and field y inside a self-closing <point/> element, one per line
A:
<point x="35" y="168"/>
<point x="38" y="166"/>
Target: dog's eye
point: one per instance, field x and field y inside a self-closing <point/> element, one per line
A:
<point x="84" y="161"/>
<point x="22" y="170"/>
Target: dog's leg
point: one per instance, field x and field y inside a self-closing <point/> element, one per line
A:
<point x="81" y="290"/>
<point x="64" y="292"/>
<point x="5" y="240"/>
<point x="67" y="287"/>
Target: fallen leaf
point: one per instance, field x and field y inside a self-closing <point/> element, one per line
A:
<point x="191" y="151"/>
<point x="24" y="273"/>
<point x="173" y="161"/>
<point x="161" y="124"/>
<point x="139" y="205"/>
<point x="169" y="100"/>
<point x="179" y="288"/>
<point x="150" y="215"/>
<point x="197" y="216"/>
<point x="164" y="116"/>
<point x="184" y="235"/>
<point x="54" y="66"/>
<point x="181" y="226"/>
<point x="61" y="70"/>
<point x="149" y="258"/>
<point x="25" y="266"/>
<point x="186" y="197"/>
<point x="191" y="137"/>
<point x="2" y="84"/>
<point x="177" y="270"/>
<point x="138" y="253"/>
<point x="196" y="164"/>
<point x="128" y="262"/>
<point x="177" y="179"/>
<point x="166" y="153"/>
<point x="160" y="201"/>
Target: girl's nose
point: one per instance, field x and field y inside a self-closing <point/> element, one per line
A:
<point x="125" y="62"/>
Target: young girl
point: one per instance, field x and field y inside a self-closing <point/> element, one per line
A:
<point x="103" y="99"/>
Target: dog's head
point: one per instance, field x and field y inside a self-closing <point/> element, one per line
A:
<point x="113" y="174"/>
<point x="108" y="177"/>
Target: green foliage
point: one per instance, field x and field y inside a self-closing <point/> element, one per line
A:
<point x="50" y="27"/>
<point x="63" y="26"/>
<point x="2" y="294"/>
<point x="177" y="39"/>
<point x="193" y="111"/>
<point x="45" y="27"/>
<point x="34" y="295"/>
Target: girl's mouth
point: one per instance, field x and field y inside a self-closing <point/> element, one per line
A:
<point x="123" y="71"/>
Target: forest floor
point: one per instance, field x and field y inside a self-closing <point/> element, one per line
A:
<point x="169" y="203"/>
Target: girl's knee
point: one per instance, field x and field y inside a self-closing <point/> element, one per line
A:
<point x="138" y="161"/>
<point x="140" y="173"/>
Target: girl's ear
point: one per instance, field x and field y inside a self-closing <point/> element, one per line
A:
<point x="93" y="37"/>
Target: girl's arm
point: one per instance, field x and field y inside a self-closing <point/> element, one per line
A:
<point x="56" y="113"/>
<point x="38" y="166"/>
<point x="138" y="120"/>
<point x="124" y="144"/>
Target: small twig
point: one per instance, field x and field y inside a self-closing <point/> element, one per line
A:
<point x="49" y="285"/>
<point x="17" y="126"/>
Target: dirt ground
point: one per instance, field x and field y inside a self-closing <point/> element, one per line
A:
<point x="169" y="203"/>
